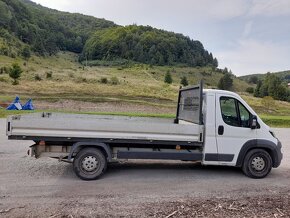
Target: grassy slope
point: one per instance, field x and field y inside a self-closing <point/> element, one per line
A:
<point x="139" y="84"/>
<point x="277" y="116"/>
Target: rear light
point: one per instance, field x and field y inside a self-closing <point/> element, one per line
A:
<point x="41" y="143"/>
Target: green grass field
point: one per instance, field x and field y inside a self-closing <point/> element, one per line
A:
<point x="54" y="78"/>
<point x="276" y="121"/>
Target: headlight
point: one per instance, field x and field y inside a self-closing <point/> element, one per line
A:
<point x="272" y="133"/>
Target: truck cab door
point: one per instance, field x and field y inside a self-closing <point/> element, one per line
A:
<point x="233" y="128"/>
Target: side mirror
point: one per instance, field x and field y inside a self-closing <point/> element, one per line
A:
<point x="254" y="122"/>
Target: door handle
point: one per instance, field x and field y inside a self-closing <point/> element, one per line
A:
<point x="221" y="130"/>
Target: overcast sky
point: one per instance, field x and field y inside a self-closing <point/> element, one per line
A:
<point x="247" y="36"/>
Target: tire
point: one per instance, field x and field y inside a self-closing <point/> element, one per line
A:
<point x="257" y="164"/>
<point x="90" y="164"/>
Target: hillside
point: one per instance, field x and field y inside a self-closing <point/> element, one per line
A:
<point x="62" y="77"/>
<point x="24" y="24"/>
<point x="283" y="75"/>
<point x="148" y="45"/>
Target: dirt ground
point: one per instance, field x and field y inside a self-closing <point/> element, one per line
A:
<point x="47" y="188"/>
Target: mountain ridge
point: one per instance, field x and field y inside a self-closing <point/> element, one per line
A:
<point x="46" y="31"/>
<point x="283" y="75"/>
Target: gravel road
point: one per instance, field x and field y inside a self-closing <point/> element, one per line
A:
<point x="47" y="188"/>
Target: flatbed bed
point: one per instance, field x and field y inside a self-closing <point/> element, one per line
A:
<point x="71" y="127"/>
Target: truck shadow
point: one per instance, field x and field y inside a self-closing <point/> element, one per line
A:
<point x="159" y="169"/>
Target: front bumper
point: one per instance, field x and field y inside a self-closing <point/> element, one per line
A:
<point x="278" y="155"/>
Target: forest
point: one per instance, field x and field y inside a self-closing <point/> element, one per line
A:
<point x="44" y="30"/>
<point x="26" y="27"/>
<point x="146" y="45"/>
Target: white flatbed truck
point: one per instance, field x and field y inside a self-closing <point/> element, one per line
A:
<point x="214" y="127"/>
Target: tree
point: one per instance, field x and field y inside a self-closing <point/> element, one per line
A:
<point x="226" y="82"/>
<point x="257" y="92"/>
<point x="225" y="71"/>
<point x="168" y="79"/>
<point x="26" y="52"/>
<point x="5" y="14"/>
<point x="287" y="77"/>
<point x="215" y="63"/>
<point x="77" y="45"/>
<point x="272" y="86"/>
<point x="253" y="79"/>
<point x="184" y="81"/>
<point x="15" y="72"/>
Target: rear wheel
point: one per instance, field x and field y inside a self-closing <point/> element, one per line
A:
<point x="89" y="164"/>
<point x="257" y="164"/>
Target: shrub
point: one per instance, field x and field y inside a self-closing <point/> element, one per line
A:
<point x="104" y="80"/>
<point x="71" y="75"/>
<point x="268" y="102"/>
<point x="81" y="80"/>
<point x="3" y="79"/>
<point x="48" y="75"/>
<point x="115" y="80"/>
<point x="250" y="90"/>
<point x="26" y="52"/>
<point x="6" y="70"/>
<point x="37" y="77"/>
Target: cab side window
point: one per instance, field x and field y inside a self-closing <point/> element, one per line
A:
<point x="234" y="113"/>
<point x="229" y="111"/>
<point x="244" y="116"/>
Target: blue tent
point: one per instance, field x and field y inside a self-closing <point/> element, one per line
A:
<point x="28" y="105"/>
<point x="16" y="105"/>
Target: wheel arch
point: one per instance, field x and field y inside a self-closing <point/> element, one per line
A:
<point x="267" y="145"/>
<point x="76" y="147"/>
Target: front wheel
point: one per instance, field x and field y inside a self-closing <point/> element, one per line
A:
<point x="257" y="164"/>
<point x="89" y="164"/>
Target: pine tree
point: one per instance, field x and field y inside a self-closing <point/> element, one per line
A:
<point x="168" y="79"/>
<point x="215" y="63"/>
<point x="184" y="81"/>
<point x="15" y="73"/>
<point x="226" y="82"/>
<point x="257" y="89"/>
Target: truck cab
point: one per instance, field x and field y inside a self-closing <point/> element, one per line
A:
<point x="236" y="136"/>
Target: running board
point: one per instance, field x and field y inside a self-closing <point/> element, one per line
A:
<point x="190" y="156"/>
